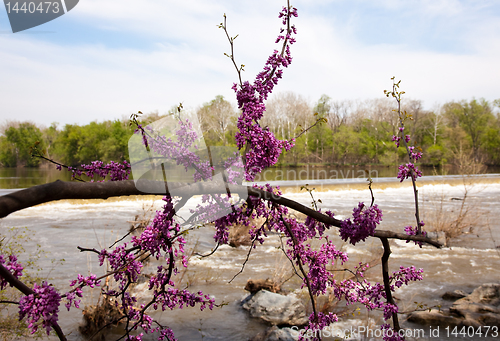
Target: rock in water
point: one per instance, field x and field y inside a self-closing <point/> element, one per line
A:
<point x="480" y="308"/>
<point x="454" y="295"/>
<point x="276" y="309"/>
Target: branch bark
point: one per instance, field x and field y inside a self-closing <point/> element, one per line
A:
<point x="387" y="284"/>
<point x="60" y="190"/>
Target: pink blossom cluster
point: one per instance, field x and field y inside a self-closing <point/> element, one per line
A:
<point x="125" y="265"/>
<point x="263" y="149"/>
<point x="313" y="225"/>
<point x="115" y="170"/>
<point x="389" y="309"/>
<point x="173" y="298"/>
<point x="365" y="220"/>
<point x="318" y="322"/>
<point x="373" y="296"/>
<point x="255" y="207"/>
<point x="317" y="262"/>
<point x="161" y="238"/>
<point x="156" y="236"/>
<point x="405" y="276"/>
<point x="212" y="207"/>
<point x="408" y="170"/>
<point x="397" y="139"/>
<point x="412" y="231"/>
<point x="82" y="281"/>
<point x="233" y="167"/>
<point x="164" y="334"/>
<point x="415" y="156"/>
<point x="14" y="267"/>
<point x="42" y="304"/>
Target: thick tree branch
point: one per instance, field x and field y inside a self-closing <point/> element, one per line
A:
<point x="60" y="190"/>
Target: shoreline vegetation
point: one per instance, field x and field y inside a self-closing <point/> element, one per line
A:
<point x="341" y="133"/>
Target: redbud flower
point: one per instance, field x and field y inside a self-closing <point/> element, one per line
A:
<point x="363" y="225"/>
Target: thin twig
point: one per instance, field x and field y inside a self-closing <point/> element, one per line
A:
<point x="318" y="121"/>
<point x="9" y="302"/>
<point x="287" y="256"/>
<point x="210" y="253"/>
<point x="249" y="251"/>
<point x="246" y="260"/>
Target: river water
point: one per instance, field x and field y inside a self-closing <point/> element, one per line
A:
<point x="472" y="259"/>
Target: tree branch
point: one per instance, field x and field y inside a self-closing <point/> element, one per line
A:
<point x="60" y="190"/>
<point x="387" y="283"/>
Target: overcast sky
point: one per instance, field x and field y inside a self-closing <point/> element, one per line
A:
<point x="106" y="59"/>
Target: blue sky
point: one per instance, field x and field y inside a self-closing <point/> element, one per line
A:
<point x="106" y="59"/>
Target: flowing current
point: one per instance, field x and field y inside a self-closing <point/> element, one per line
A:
<point x="472" y="259"/>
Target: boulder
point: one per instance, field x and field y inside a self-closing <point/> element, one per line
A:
<point x="487" y="293"/>
<point x="276" y="309"/>
<point x="434" y="318"/>
<point x="480" y="308"/>
<point x="454" y="295"/>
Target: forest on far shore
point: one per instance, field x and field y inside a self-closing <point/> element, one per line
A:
<point x="349" y="132"/>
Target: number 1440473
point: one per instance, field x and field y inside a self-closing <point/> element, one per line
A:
<point x="32" y="7"/>
<point x="484" y="331"/>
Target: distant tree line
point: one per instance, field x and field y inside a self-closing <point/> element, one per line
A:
<point x="351" y="132"/>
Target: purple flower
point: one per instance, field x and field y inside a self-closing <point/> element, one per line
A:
<point x="363" y="225"/>
<point x="396" y="140"/>
<point x="390" y="309"/>
<point x="43" y="304"/>
<point x="15" y="268"/>
<point x="407" y="171"/>
<point x="263" y="147"/>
